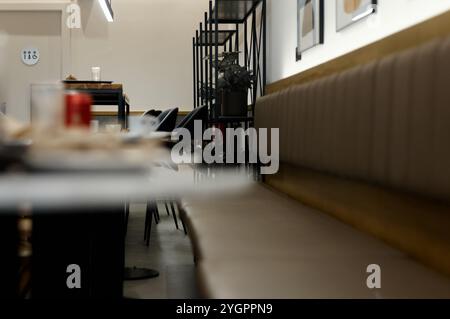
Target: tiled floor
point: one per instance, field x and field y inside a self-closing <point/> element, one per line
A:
<point x="170" y="253"/>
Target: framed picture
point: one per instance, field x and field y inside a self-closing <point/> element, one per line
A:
<point x="310" y="28"/>
<point x="350" y="11"/>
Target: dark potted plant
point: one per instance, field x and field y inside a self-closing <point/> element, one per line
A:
<point x="233" y="85"/>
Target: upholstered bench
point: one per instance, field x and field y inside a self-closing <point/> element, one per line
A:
<point x="262" y="244"/>
<point x="364" y="179"/>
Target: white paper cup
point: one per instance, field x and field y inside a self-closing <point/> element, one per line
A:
<point x="96" y="73"/>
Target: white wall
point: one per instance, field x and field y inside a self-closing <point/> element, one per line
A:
<point x="392" y="16"/>
<point x="148" y="48"/>
<point x="16" y="78"/>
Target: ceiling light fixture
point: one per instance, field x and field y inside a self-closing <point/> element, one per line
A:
<point x="107" y="9"/>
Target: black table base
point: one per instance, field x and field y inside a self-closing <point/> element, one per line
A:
<point x="91" y="238"/>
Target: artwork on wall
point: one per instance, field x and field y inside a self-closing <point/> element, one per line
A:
<point x="350" y="11"/>
<point x="310" y="28"/>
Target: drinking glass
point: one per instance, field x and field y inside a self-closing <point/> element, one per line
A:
<point x="47" y="106"/>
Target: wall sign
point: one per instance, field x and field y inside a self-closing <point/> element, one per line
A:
<point x="30" y="56"/>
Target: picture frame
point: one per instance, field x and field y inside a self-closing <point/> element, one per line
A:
<point x="349" y="12"/>
<point x="310" y="25"/>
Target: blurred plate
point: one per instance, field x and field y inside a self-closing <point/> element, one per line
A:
<point x="132" y="137"/>
<point x="108" y="162"/>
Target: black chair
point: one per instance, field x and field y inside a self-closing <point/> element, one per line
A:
<point x="154" y="113"/>
<point x="167" y="120"/>
<point x="200" y="113"/>
<point x="152" y="211"/>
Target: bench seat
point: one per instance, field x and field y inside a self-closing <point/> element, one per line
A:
<point x="259" y="243"/>
<point x="320" y="277"/>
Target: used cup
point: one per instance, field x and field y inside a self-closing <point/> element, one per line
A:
<point x="47" y="106"/>
<point x="96" y="73"/>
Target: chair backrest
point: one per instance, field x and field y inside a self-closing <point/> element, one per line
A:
<point x="154" y="113"/>
<point x="167" y="120"/>
<point x="200" y="113"/>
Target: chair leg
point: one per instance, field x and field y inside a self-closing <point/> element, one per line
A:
<point x="146" y="221"/>
<point x="167" y="208"/>
<point x="174" y="214"/>
<point x="150" y="208"/>
<point x="184" y="226"/>
<point x="127" y="216"/>
<point x="156" y="215"/>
